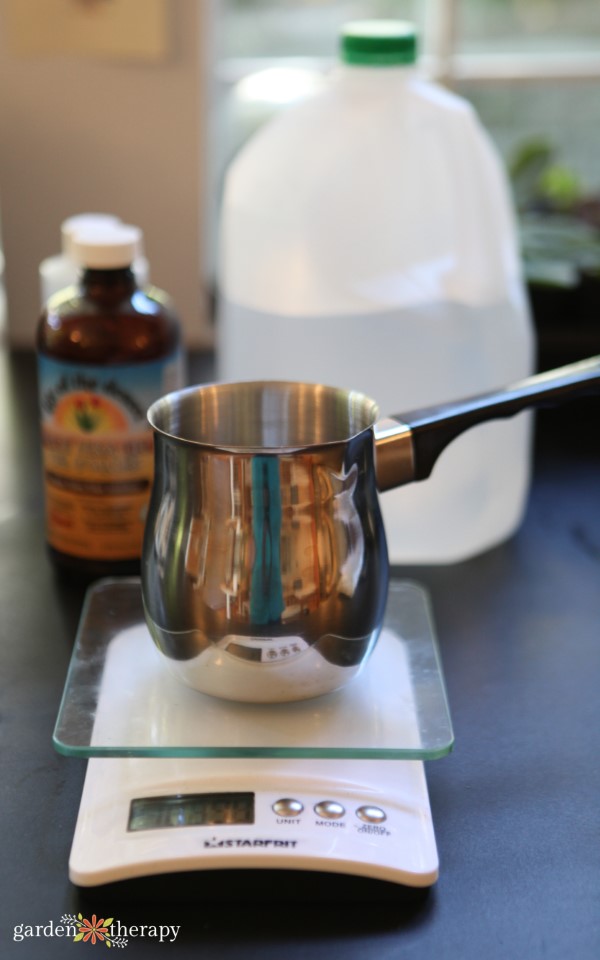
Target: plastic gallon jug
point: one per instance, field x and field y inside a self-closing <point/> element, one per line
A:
<point x="367" y="242"/>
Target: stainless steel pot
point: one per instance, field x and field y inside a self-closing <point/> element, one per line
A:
<point x="265" y="569"/>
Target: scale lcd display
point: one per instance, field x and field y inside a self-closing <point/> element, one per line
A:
<point x="190" y="810"/>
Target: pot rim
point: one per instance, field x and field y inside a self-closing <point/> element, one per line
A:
<point x="359" y="407"/>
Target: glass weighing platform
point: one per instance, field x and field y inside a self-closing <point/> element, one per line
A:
<point x="121" y="701"/>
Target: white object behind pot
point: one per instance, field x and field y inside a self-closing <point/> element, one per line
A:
<point x="367" y="241"/>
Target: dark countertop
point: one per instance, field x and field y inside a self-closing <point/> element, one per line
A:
<point x="516" y="806"/>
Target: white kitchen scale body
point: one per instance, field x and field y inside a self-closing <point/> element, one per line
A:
<point x="181" y="781"/>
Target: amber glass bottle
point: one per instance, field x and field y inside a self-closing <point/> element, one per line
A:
<point x="106" y="350"/>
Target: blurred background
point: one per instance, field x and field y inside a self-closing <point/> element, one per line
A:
<point x="135" y="107"/>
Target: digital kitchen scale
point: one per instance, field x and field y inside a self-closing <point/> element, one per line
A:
<point x="181" y="781"/>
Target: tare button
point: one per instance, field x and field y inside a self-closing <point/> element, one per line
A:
<point x="371" y="814"/>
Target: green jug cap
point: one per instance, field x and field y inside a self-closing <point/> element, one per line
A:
<point x="379" y="43"/>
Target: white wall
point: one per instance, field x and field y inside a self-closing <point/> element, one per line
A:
<point x="90" y="135"/>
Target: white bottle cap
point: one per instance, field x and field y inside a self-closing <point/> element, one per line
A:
<point x="106" y="247"/>
<point x="80" y="221"/>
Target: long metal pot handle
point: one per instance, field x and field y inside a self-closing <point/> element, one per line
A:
<point x="407" y="445"/>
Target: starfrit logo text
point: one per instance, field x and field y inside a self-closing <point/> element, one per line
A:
<point x="110" y="932"/>
<point x="254" y="842"/>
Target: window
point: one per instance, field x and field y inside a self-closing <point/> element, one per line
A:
<point x="531" y="68"/>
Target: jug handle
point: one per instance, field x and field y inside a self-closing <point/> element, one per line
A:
<point x="408" y="445"/>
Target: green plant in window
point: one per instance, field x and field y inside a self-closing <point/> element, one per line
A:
<point x="560" y="187"/>
<point x="559" y="222"/>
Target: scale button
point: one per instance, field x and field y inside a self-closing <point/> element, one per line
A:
<point x="286" y="807"/>
<point x="371" y="814"/>
<point x="329" y="809"/>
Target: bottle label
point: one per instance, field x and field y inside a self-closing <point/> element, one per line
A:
<point x="98" y="452"/>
